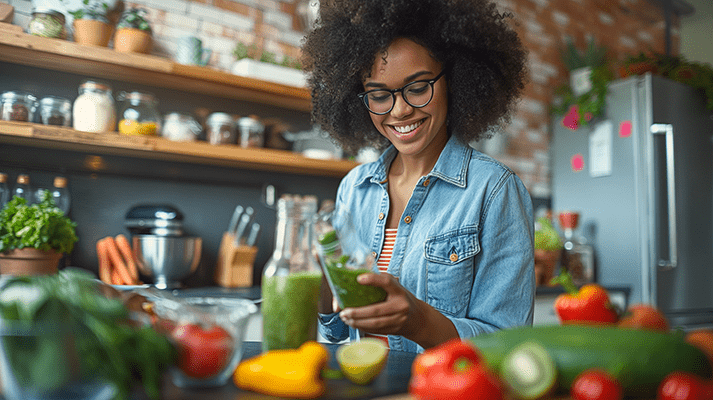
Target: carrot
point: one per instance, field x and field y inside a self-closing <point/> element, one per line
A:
<point x="104" y="264"/>
<point x="117" y="261"/>
<point x="125" y="249"/>
<point x="115" y="278"/>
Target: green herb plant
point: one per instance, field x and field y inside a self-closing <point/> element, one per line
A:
<point x="252" y="51"/>
<point x="91" y="9"/>
<point x="546" y="236"/>
<point x="40" y="226"/>
<point x="59" y="329"/>
<point x="134" y="18"/>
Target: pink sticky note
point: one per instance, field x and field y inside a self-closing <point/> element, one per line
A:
<point x="625" y="129"/>
<point x="577" y="162"/>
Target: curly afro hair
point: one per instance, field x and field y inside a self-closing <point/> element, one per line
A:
<point x="484" y="58"/>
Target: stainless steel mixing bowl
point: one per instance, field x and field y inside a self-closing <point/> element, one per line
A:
<point x="167" y="259"/>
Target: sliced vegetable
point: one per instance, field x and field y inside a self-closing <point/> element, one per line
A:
<point x="588" y="305"/>
<point x="638" y="359"/>
<point x="529" y="371"/>
<point x="453" y="371"/>
<point x="681" y="385"/>
<point x="596" y="384"/>
<point x="285" y="373"/>
<point x="363" y="360"/>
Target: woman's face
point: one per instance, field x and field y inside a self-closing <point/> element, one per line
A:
<point x="413" y="131"/>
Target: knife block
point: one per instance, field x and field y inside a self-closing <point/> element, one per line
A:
<point x="235" y="263"/>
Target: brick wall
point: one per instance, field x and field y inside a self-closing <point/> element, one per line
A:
<point x="624" y="26"/>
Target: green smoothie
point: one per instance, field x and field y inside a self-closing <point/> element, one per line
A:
<point x="349" y="292"/>
<point x="289" y="310"/>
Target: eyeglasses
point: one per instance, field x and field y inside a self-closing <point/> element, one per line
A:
<point x="416" y="94"/>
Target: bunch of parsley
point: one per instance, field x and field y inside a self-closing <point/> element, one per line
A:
<point x="41" y="226"/>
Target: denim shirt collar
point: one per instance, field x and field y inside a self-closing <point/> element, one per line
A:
<point x="451" y="167"/>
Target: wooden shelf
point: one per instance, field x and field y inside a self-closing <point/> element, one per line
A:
<point x="101" y="62"/>
<point x="53" y="137"/>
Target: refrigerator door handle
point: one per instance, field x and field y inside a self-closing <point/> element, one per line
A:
<point x="672" y="262"/>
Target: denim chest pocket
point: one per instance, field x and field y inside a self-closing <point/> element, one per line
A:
<point x="450" y="269"/>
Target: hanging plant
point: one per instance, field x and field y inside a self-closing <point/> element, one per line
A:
<point x="677" y="68"/>
<point x="588" y="103"/>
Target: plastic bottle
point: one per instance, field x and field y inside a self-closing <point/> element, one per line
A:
<point x="60" y="194"/>
<point x="22" y="188"/>
<point x="4" y="190"/>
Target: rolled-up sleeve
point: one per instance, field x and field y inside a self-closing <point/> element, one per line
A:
<point x="332" y="328"/>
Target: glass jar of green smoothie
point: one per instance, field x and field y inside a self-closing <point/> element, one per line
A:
<point x="292" y="278"/>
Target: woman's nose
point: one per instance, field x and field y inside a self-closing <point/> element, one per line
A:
<point x="401" y="107"/>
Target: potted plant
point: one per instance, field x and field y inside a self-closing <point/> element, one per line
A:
<point x="548" y="249"/>
<point x="91" y="25"/>
<point x="133" y="32"/>
<point x="257" y="63"/>
<point x="34" y="237"/>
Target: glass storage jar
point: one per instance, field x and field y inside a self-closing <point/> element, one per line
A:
<point x="55" y="111"/>
<point x="139" y="114"/>
<point x="220" y="129"/>
<point x="18" y="106"/>
<point x="252" y="132"/>
<point x="180" y="127"/>
<point x="94" y="109"/>
<point x="47" y="22"/>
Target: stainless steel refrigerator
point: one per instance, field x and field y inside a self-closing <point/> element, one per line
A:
<point x="642" y="179"/>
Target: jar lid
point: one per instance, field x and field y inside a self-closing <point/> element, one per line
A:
<point x="220" y="118"/>
<point x="250" y="124"/>
<point x="49" y="101"/>
<point x="137" y="96"/>
<point x="176" y="116"/>
<point x="48" y="11"/>
<point x="18" y="96"/>
<point x="95" y="85"/>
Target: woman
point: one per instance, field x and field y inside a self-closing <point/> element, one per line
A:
<point x="422" y="79"/>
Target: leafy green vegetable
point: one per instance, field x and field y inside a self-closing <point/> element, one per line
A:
<point x="41" y="226"/>
<point x="66" y="330"/>
<point x="546" y="236"/>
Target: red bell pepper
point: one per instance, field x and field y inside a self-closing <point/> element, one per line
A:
<point x="587" y="305"/>
<point x="453" y="371"/>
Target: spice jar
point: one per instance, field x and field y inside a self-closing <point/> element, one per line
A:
<point x="251" y="132"/>
<point x="18" y="106"/>
<point x="139" y="114"/>
<point x="220" y="129"/>
<point x="180" y="127"/>
<point x="93" y="109"/>
<point x="48" y="23"/>
<point x="55" y="111"/>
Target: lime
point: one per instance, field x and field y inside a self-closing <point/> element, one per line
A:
<point x="362" y="361"/>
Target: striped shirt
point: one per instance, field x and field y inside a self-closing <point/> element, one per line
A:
<point x="387" y="250"/>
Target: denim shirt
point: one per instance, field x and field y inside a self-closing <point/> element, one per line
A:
<point x="465" y="242"/>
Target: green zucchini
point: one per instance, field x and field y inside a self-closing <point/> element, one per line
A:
<point x="639" y="359"/>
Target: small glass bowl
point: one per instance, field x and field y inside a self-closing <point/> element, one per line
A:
<point x="40" y="362"/>
<point x="208" y="333"/>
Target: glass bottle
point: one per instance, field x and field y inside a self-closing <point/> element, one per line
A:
<point x="577" y="255"/>
<point x="292" y="279"/>
<point x="22" y="188"/>
<point x="4" y="190"/>
<point x="60" y="194"/>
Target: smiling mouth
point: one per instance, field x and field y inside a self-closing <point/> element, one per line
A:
<point x="407" y="128"/>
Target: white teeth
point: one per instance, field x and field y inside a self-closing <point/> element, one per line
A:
<point x="407" y="128"/>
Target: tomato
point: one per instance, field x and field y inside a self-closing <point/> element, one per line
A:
<point x="204" y="352"/>
<point x="596" y="384"/>
<point x="703" y="339"/>
<point x="680" y="385"/>
<point x="644" y="316"/>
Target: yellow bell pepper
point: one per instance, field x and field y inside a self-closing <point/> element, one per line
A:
<point x="285" y="373"/>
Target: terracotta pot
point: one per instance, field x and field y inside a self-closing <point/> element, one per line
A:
<point x="132" y="41"/>
<point x="92" y="32"/>
<point x="29" y="262"/>
<point x="545" y="264"/>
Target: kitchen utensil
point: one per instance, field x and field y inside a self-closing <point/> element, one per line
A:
<point x="254" y="233"/>
<point x="167" y="259"/>
<point x="236" y="218"/>
<point x="154" y="219"/>
<point x="241" y="230"/>
<point x="195" y="318"/>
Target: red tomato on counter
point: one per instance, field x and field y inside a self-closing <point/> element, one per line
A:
<point x="681" y="385"/>
<point x="202" y="352"/>
<point x="643" y="316"/>
<point x="595" y="384"/>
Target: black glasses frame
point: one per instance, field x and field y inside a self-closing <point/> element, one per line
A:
<point x="393" y="92"/>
